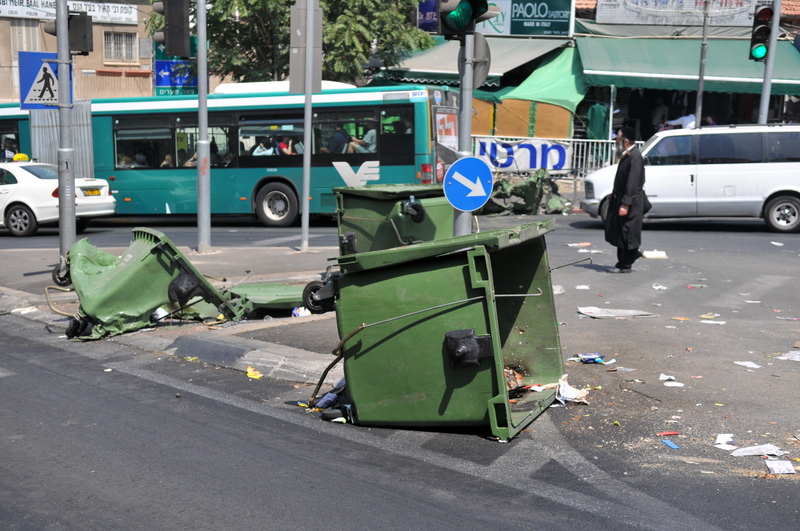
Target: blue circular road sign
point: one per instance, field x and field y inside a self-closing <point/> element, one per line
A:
<point x="468" y="184"/>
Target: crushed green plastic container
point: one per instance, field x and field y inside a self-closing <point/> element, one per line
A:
<point x="375" y="217"/>
<point x="441" y="325"/>
<point x="119" y="294"/>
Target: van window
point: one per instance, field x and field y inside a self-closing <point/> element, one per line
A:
<point x="783" y="147"/>
<point x="671" y="151"/>
<point x="739" y="148"/>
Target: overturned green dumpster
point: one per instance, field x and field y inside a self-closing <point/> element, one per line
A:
<point x="451" y="332"/>
<point x="152" y="279"/>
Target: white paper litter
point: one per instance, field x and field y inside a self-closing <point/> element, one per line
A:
<point x="777" y="244"/>
<point x="725" y="442"/>
<point x="664" y="377"/>
<point x="748" y="364"/>
<point x="659" y="286"/>
<point x="709" y="321"/>
<point x="673" y="384"/>
<point x="654" y="254"/>
<point x="607" y="313"/>
<point x="763" y="449"/>
<point x="558" y="290"/>
<point x="780" y="467"/>
<point x="581" y="244"/>
<point x="592" y="251"/>
<point x="582" y="286"/>
<point x="792" y="355"/>
<point x="567" y="393"/>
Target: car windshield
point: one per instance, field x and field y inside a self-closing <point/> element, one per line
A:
<point x="42" y="171"/>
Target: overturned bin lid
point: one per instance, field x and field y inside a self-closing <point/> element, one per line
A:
<point x="453" y="332"/>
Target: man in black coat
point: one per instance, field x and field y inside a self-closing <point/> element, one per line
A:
<point x="627" y="205"/>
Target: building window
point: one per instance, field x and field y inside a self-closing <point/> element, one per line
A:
<point x="120" y="47"/>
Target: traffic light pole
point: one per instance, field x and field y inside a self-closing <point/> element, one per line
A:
<point x="462" y="224"/>
<point x="766" y="88"/>
<point x="698" y="112"/>
<point x="203" y="147"/>
<point x="66" y="152"/>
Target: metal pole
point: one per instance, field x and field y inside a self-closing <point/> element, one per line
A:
<point x="203" y="146"/>
<point x="462" y="223"/>
<point x="613" y="98"/>
<point x="766" y="88"/>
<point x="698" y="112"/>
<point x="66" y="179"/>
<point x="304" y="204"/>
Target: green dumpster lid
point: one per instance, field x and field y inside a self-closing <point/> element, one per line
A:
<point x="494" y="240"/>
<point x="392" y="191"/>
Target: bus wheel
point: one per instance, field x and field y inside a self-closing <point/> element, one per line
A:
<point x="276" y="205"/>
<point x="782" y="214"/>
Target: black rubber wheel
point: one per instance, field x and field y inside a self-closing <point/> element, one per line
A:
<point x="81" y="224"/>
<point x="313" y="305"/>
<point x="20" y="221"/>
<point x="782" y="214"/>
<point x="604" y="210"/>
<point x="276" y="205"/>
<point x="59" y="280"/>
<point x="76" y="327"/>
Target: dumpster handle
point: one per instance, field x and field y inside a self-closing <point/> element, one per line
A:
<point x="400" y="238"/>
<point x="339" y="351"/>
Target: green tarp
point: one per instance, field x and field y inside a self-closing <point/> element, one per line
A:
<point x="558" y="81"/>
<point x="674" y="64"/>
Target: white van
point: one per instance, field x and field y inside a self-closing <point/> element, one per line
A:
<point x="718" y="171"/>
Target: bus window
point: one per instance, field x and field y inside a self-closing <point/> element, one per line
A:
<point x="346" y="133"/>
<point x="260" y="136"/>
<point x="142" y="148"/>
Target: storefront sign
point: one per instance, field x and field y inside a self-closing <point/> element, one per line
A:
<point x="524" y="155"/>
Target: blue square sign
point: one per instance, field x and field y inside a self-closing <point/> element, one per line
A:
<point x="38" y="81"/>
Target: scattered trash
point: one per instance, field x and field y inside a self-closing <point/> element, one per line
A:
<point x="590" y="358"/>
<point x="777" y="244"/>
<point x="592" y="251"/>
<point x="673" y="384"/>
<point x="695" y="376"/>
<point x="667" y="433"/>
<point x="748" y="364"/>
<point x="725" y="442"/>
<point x="709" y="321"/>
<point x="253" y="373"/>
<point x="558" y="290"/>
<point x="792" y="355"/>
<point x="763" y="449"/>
<point x="719" y="405"/>
<point x="654" y="254"/>
<point x="780" y="467"/>
<point x="659" y="287"/>
<point x="753" y="302"/>
<point x="680" y="318"/>
<point x="606" y="313"/>
<point x="340" y="420"/>
<point x="709" y="316"/>
<point x="787" y="318"/>
<point x="582" y="244"/>
<point x="514" y="379"/>
<point x="665" y="377"/>
<point x="582" y="286"/>
<point x="671" y="444"/>
<point x="107" y="370"/>
<point x="695" y="286"/>
<point x="671" y="327"/>
<point x="300" y="311"/>
<point x="567" y="393"/>
<point x="616" y="423"/>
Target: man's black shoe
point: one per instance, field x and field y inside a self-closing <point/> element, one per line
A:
<point x="618" y="270"/>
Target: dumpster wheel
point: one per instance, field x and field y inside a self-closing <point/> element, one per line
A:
<point x="313" y="305"/>
<point x="59" y="279"/>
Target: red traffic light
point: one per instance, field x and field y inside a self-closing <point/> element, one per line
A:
<point x="763" y="13"/>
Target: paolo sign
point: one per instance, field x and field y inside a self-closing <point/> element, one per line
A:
<point x="540" y="18"/>
<point x="523" y="155"/>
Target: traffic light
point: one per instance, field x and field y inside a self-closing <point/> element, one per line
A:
<point x="759" y="39"/>
<point x="175" y="35"/>
<point x="80" y="32"/>
<point x="457" y="17"/>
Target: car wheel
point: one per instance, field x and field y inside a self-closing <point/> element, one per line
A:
<point x="81" y="224"/>
<point x="20" y="221"/>
<point x="276" y="205"/>
<point x="782" y="214"/>
<point x="604" y="210"/>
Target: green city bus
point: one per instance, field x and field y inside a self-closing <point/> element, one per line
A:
<point x="145" y="147"/>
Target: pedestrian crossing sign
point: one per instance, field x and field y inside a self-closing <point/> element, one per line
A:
<point x="38" y="80"/>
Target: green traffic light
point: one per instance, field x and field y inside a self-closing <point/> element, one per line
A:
<point x="759" y="51"/>
<point x="460" y="17"/>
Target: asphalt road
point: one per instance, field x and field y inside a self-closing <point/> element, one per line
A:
<point x="601" y="465"/>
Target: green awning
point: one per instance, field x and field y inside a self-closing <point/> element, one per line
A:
<point x="558" y="81"/>
<point x="674" y="64"/>
<point x="439" y="65"/>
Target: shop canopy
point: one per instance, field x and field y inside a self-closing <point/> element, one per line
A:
<point x="674" y="64"/>
<point x="439" y="65"/>
<point x="558" y="81"/>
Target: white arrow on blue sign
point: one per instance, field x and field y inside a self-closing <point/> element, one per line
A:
<point x="468" y="184"/>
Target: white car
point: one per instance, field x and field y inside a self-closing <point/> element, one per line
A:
<point x="29" y="198"/>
